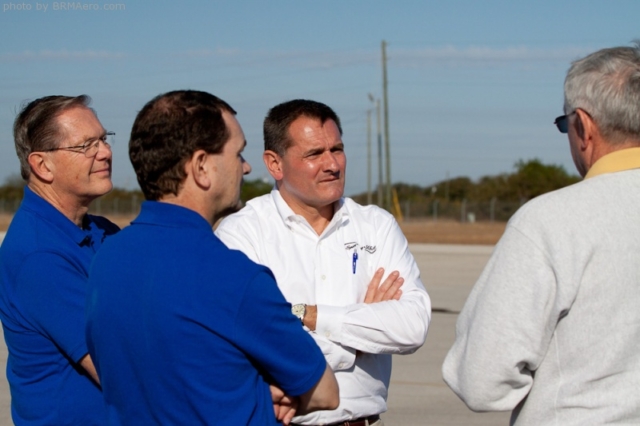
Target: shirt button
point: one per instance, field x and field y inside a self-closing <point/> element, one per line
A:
<point x="341" y="365"/>
<point x="323" y="277"/>
<point x="327" y="334"/>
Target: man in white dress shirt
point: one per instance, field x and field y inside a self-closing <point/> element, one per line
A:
<point x="332" y="258"/>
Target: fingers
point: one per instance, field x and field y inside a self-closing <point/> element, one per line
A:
<point x="389" y="287"/>
<point x="285" y="409"/>
<point x="373" y="286"/>
<point x="388" y="290"/>
<point x="276" y="394"/>
<point x="289" y="415"/>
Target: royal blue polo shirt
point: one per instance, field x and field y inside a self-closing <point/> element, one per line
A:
<point x="184" y="331"/>
<point x="44" y="264"/>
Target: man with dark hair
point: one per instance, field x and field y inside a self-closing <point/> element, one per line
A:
<point x="184" y="330"/>
<point x="551" y="328"/>
<point x="328" y="255"/>
<point x="44" y="262"/>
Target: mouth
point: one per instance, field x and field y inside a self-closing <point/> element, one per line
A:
<point x="105" y="171"/>
<point x="331" y="178"/>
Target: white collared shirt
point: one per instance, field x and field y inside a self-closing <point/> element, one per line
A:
<point x="333" y="271"/>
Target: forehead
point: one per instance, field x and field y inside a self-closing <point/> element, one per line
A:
<point x="236" y="135"/>
<point x="79" y="122"/>
<point x="306" y="131"/>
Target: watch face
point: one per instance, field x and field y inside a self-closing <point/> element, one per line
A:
<point x="298" y="310"/>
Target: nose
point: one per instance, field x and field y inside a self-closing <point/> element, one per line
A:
<point x="246" y="167"/>
<point x="104" y="150"/>
<point x="330" y="162"/>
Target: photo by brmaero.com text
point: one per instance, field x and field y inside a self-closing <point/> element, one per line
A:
<point x="61" y="7"/>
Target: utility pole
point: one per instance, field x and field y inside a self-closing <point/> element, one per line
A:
<point x="386" y="126"/>
<point x="369" y="196"/>
<point x="376" y="102"/>
<point x="380" y="199"/>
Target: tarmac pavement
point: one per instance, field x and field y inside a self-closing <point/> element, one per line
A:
<point x="417" y="395"/>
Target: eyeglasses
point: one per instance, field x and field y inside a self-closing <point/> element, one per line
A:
<point x="90" y="147"/>
<point x="562" y="122"/>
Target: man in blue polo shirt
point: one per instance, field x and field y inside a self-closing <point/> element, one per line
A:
<point x="44" y="262"/>
<point x="183" y="330"/>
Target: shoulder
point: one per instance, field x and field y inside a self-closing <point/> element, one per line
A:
<point x="256" y="211"/>
<point x="371" y="215"/>
<point x="104" y="224"/>
<point x="555" y="206"/>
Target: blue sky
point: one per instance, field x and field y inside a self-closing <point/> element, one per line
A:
<point x="474" y="86"/>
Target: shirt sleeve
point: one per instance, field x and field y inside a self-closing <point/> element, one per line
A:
<point x="53" y="293"/>
<point x="396" y="326"/>
<point x="268" y="333"/>
<point x="505" y="327"/>
<point x="338" y="357"/>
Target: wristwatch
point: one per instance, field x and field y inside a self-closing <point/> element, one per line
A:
<point x="299" y="310"/>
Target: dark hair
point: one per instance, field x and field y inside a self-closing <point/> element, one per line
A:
<point x="280" y="117"/>
<point x="166" y="133"/>
<point x="36" y="126"/>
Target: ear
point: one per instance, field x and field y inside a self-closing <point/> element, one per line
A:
<point x="199" y="170"/>
<point x="273" y="162"/>
<point x="41" y="166"/>
<point x="586" y="129"/>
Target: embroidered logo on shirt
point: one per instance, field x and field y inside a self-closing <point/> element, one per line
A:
<point x="367" y="247"/>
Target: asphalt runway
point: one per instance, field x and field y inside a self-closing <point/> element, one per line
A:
<point x="417" y="395"/>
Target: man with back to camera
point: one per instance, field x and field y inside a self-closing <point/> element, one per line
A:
<point x="328" y="255"/>
<point x="44" y="262"/>
<point x="551" y="328"/>
<point x="184" y="330"/>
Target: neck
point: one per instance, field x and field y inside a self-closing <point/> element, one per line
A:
<point x="192" y="202"/>
<point x="318" y="217"/>
<point x="70" y="206"/>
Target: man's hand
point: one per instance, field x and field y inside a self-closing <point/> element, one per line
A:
<point x="376" y="292"/>
<point x="284" y="406"/>
<point x="388" y="290"/>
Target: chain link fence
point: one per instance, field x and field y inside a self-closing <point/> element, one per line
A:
<point x="462" y="211"/>
<point x="122" y="205"/>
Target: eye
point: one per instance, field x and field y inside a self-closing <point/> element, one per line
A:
<point x="90" y="144"/>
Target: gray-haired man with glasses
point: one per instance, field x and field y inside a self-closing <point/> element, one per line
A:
<point x="65" y="159"/>
<point x="551" y="328"/>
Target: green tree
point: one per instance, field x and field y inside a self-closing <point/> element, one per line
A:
<point x="532" y="178"/>
<point x="254" y="188"/>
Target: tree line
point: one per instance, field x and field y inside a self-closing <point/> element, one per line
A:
<point x="529" y="179"/>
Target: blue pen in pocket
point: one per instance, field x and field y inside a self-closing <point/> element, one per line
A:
<point x="355" y="259"/>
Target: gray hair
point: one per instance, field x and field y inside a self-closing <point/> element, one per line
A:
<point x="606" y="84"/>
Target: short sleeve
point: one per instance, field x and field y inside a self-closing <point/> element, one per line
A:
<point x="268" y="332"/>
<point x="52" y="292"/>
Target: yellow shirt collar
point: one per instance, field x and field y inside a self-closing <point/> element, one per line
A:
<point x="617" y="161"/>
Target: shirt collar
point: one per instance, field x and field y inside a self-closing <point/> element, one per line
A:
<point x="617" y="161"/>
<point x="170" y="215"/>
<point x="45" y="210"/>
<point x="288" y="215"/>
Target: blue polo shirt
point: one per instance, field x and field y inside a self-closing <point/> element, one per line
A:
<point x="184" y="331"/>
<point x="44" y="264"/>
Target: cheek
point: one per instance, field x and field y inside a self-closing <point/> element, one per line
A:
<point x="343" y="163"/>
